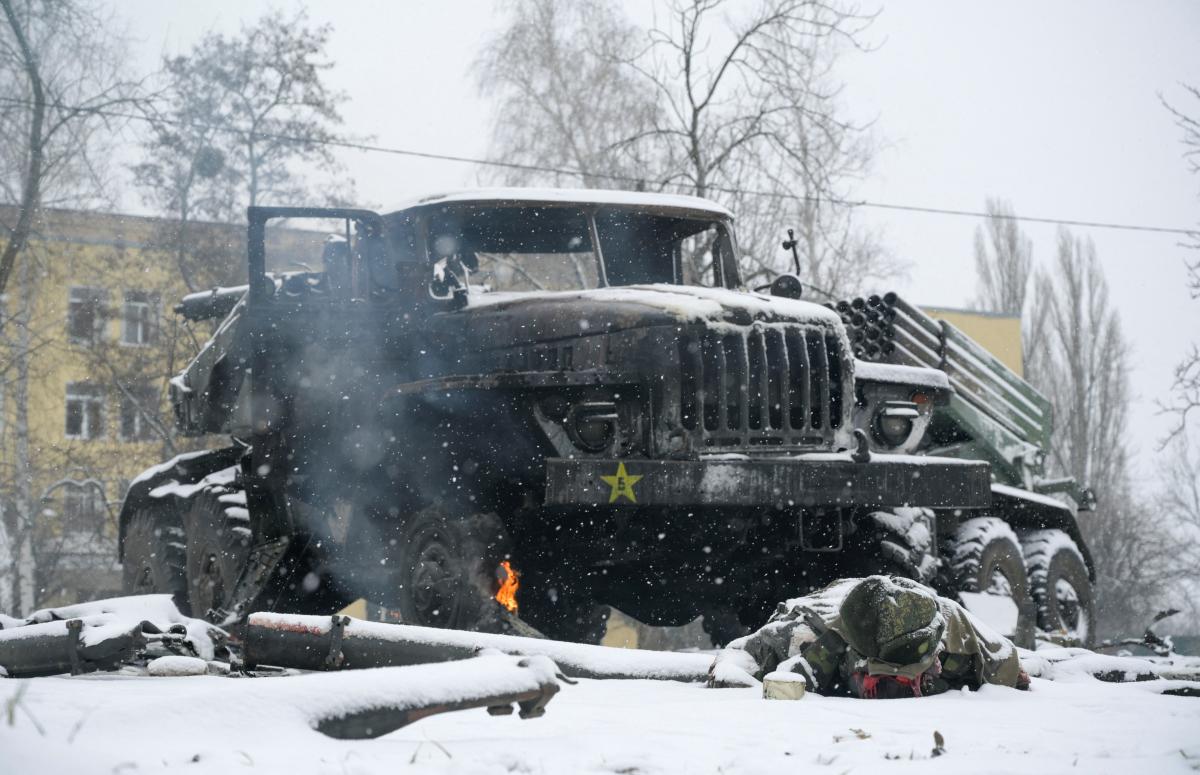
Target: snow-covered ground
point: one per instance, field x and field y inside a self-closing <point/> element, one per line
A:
<point x="208" y="724"/>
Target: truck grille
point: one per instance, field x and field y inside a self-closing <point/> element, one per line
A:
<point x="764" y="385"/>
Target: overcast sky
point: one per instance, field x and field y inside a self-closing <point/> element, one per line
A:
<point x="1053" y="106"/>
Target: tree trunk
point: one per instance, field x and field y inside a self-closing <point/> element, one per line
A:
<point x="8" y="550"/>
<point x="31" y="186"/>
<point x="24" y="589"/>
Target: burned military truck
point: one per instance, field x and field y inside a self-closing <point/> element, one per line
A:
<point x="572" y="386"/>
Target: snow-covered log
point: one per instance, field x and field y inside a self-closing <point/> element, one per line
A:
<point x="340" y="642"/>
<point x="383" y="700"/>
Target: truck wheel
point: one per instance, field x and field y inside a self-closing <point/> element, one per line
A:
<point x="448" y="569"/>
<point x="985" y="557"/>
<point x="1061" y="587"/>
<point x="218" y="545"/>
<point x="155" y="555"/>
<point x="898" y="543"/>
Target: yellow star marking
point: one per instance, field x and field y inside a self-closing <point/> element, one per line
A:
<point x="622" y="484"/>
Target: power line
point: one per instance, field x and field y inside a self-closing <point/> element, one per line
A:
<point x="636" y="181"/>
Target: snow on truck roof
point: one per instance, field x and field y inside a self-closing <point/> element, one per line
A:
<point x="583" y="196"/>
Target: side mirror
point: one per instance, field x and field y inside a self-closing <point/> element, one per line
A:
<point x="787" y="286"/>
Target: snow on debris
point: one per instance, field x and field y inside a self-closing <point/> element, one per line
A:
<point x="901" y="375"/>
<point x="685" y="303"/>
<point x="574" y="658"/>
<point x="161" y="468"/>
<point x="1035" y="497"/>
<point x="570" y="196"/>
<point x="224" y="476"/>
<point x="104" y="619"/>
<point x="174" y="665"/>
<point x="1058" y="663"/>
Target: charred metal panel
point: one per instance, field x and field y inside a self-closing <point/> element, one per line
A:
<point x="784" y="482"/>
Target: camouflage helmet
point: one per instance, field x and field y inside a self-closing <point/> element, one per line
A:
<point x="894" y="620"/>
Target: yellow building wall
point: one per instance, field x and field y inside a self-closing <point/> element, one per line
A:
<point x="998" y="334"/>
<point x="113" y="253"/>
<point x="116" y="253"/>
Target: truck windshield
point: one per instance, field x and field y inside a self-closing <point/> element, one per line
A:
<point x="552" y="248"/>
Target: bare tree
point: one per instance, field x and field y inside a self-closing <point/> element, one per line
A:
<point x="1136" y="555"/>
<point x="61" y="74"/>
<point x="22" y="560"/>
<point x="1185" y="389"/>
<point x="1186" y="385"/>
<point x="1179" y="505"/>
<point x="563" y="96"/>
<point x="740" y="109"/>
<point x="1086" y="374"/>
<point x="1003" y="261"/>
<point x="1083" y="368"/>
<point x="1006" y="281"/>
<point x="240" y="120"/>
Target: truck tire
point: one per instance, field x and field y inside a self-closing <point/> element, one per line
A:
<point x="155" y="556"/>
<point x="218" y="546"/>
<point x="448" y="569"/>
<point x="985" y="557"/>
<point x="1060" y="585"/>
<point x="897" y="543"/>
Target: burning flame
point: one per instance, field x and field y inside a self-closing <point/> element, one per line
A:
<point x="507" y="594"/>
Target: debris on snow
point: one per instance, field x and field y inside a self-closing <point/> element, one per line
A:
<point x="306" y="642"/>
<point x="102" y="635"/>
<point x="175" y="666"/>
<point x="783" y="685"/>
<point x="348" y="710"/>
<point x="1055" y="663"/>
<point x="284" y="723"/>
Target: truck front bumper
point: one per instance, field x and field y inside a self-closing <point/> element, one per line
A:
<point x="784" y="482"/>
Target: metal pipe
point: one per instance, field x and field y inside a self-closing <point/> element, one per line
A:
<point x="488" y="682"/>
<point x="322" y="643"/>
<point x="52" y="648"/>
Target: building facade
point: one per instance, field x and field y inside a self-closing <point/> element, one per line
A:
<point x="87" y="343"/>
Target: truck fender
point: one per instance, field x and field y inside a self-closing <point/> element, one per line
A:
<point x="187" y="468"/>
<point x="1025" y="510"/>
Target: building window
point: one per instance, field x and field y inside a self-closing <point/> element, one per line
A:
<point x="82" y="507"/>
<point x="138" y="318"/>
<point x="85" y="314"/>
<point x="138" y="404"/>
<point x="85" y="411"/>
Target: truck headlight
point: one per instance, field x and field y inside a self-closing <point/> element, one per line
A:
<point x="592" y="425"/>
<point x="894" y="422"/>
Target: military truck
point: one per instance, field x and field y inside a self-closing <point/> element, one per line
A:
<point x="572" y="386"/>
